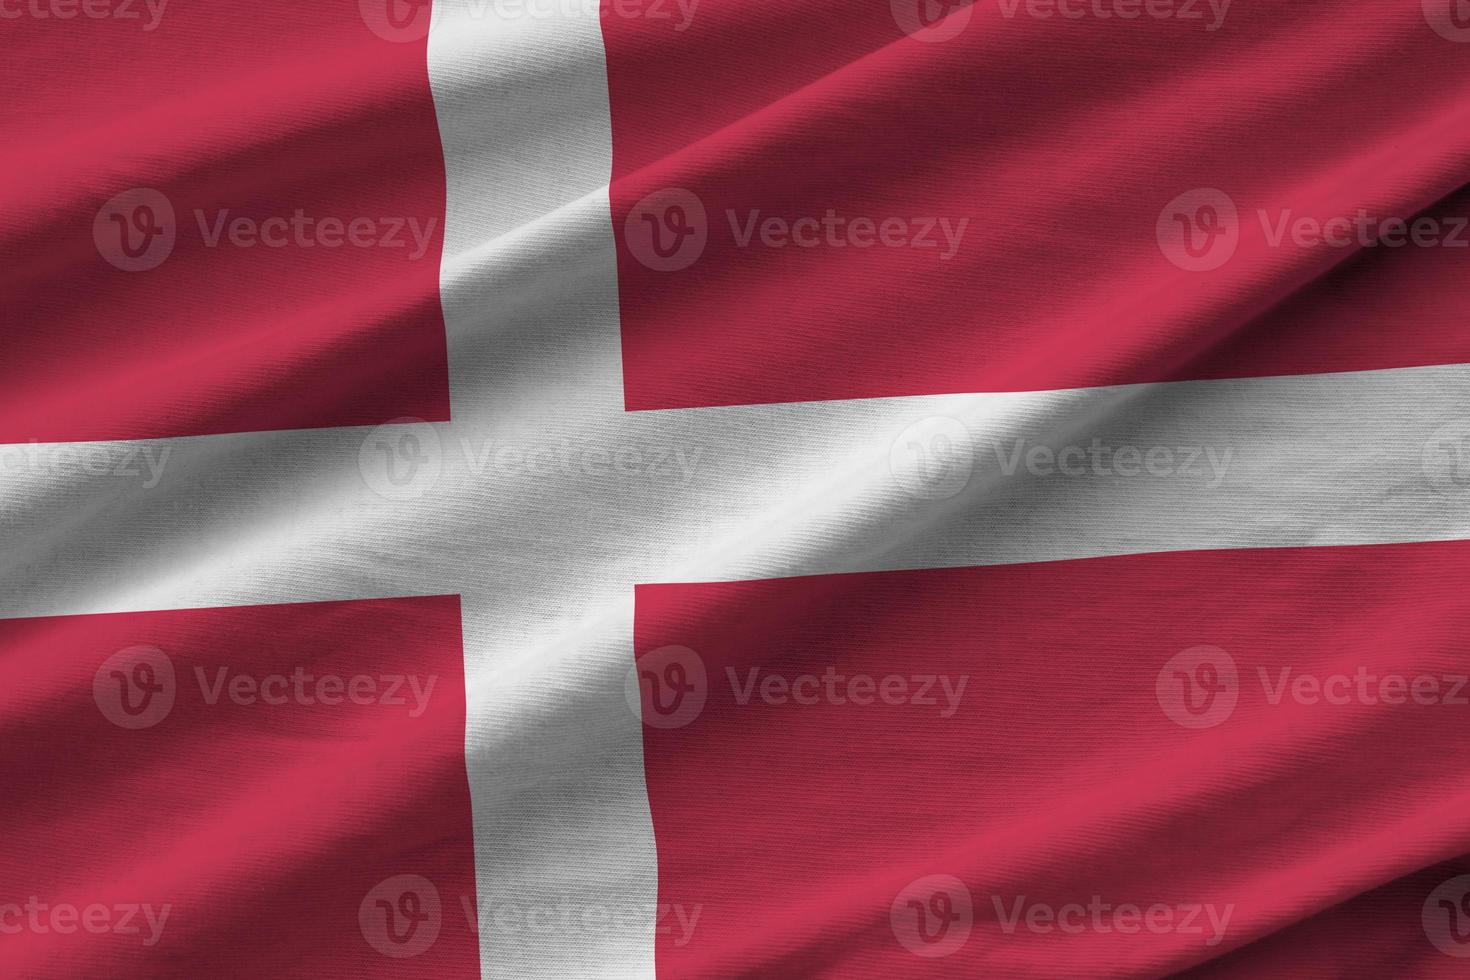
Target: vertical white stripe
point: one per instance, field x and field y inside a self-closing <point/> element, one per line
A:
<point x="566" y="869"/>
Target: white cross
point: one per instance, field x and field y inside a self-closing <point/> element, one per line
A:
<point x="546" y="562"/>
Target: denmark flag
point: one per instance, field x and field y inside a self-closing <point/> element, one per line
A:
<point x="726" y="488"/>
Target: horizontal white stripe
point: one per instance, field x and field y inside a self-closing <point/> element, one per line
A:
<point x="1355" y="458"/>
<point x="775" y="490"/>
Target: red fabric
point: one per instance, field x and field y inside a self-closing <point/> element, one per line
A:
<point x="1060" y="141"/>
<point x="793" y="828"/>
<point x="264" y="827"/>
<point x="257" y="109"/>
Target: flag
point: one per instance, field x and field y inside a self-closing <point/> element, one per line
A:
<point x="722" y="488"/>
